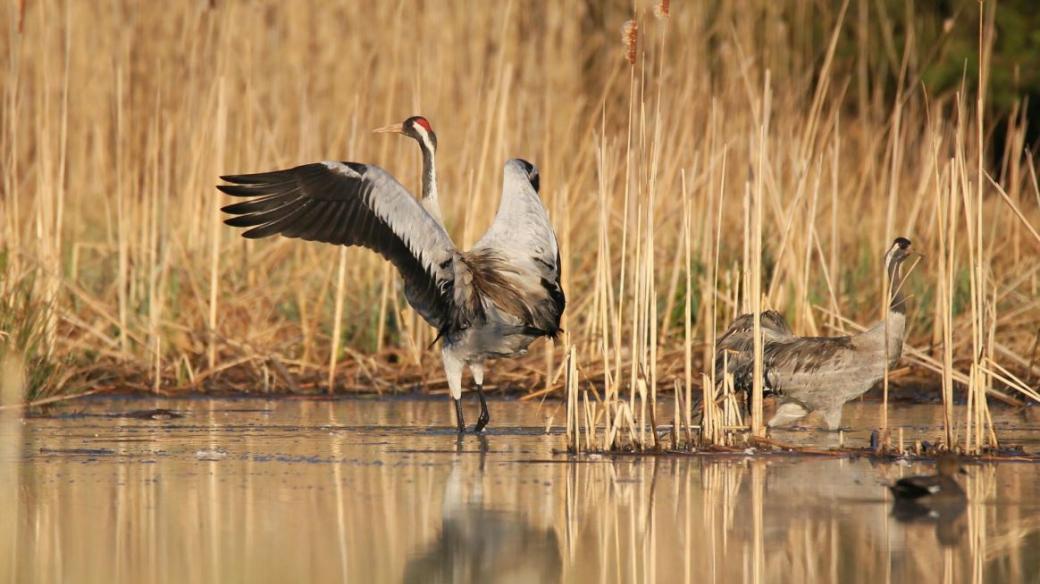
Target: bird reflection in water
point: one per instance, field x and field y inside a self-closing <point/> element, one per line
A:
<point x="946" y="515"/>
<point x="937" y="499"/>
<point x="477" y="543"/>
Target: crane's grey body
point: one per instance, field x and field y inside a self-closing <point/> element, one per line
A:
<point x="491" y="301"/>
<point x="509" y="283"/>
<point x="817" y="374"/>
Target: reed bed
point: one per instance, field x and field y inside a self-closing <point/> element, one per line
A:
<point x="716" y="160"/>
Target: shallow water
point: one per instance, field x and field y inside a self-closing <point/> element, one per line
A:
<point x="249" y="490"/>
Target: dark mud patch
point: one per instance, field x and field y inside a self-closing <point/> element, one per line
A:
<point x="158" y="414"/>
<point x="77" y="451"/>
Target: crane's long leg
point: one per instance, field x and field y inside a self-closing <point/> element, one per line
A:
<point x="459" y="420"/>
<point x="453" y="371"/>
<point x="478" y="378"/>
<point x="484" y="417"/>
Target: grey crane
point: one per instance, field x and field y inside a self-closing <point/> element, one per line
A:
<point x="817" y="373"/>
<point x="491" y="301"/>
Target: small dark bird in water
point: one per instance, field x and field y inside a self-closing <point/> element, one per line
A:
<point x="933" y="499"/>
<point x="488" y="302"/>
<point x="817" y="374"/>
<point x="940" y="486"/>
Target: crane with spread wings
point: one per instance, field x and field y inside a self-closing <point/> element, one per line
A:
<point x="491" y="301"/>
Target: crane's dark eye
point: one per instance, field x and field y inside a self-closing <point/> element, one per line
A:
<point x="532" y="173"/>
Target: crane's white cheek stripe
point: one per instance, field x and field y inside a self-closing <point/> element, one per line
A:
<point x="425" y="137"/>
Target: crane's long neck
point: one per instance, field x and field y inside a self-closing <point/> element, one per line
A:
<point x="894" y="324"/>
<point x="897" y="303"/>
<point x="430" y="201"/>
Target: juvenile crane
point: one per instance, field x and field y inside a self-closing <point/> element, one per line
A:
<point x="491" y="301"/>
<point x="817" y="373"/>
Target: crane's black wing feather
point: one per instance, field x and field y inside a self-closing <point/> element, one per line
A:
<point x="736" y="349"/>
<point x="348" y="203"/>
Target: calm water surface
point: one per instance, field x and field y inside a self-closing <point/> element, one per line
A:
<point x="365" y="491"/>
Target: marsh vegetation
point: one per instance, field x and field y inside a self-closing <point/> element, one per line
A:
<point x="731" y="158"/>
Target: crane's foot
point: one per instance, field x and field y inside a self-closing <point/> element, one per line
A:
<point x="484" y="417"/>
<point x="459" y="420"/>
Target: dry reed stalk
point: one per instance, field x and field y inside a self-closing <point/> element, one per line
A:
<point x="709" y="411"/>
<point x="220" y="137"/>
<point x="337" y="317"/>
<point x="946" y="219"/>
<point x="886" y="294"/>
<point x="651" y="287"/>
<point x="757" y="428"/>
<point x="590" y="421"/>
<point x="571" y="384"/>
<point x="121" y="216"/>
<point x="687" y="310"/>
<point x="388" y="279"/>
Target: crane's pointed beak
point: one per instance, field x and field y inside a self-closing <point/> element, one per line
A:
<point x="391" y="129"/>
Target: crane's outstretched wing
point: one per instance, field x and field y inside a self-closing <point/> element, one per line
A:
<point x="352" y="204"/>
<point x="737" y="349"/>
<point x="523" y="239"/>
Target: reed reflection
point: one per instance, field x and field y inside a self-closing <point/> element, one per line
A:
<point x="12" y="382"/>
<point x="789" y="519"/>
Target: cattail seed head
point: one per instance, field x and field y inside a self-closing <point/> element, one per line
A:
<point x="661" y="9"/>
<point x="630" y="39"/>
